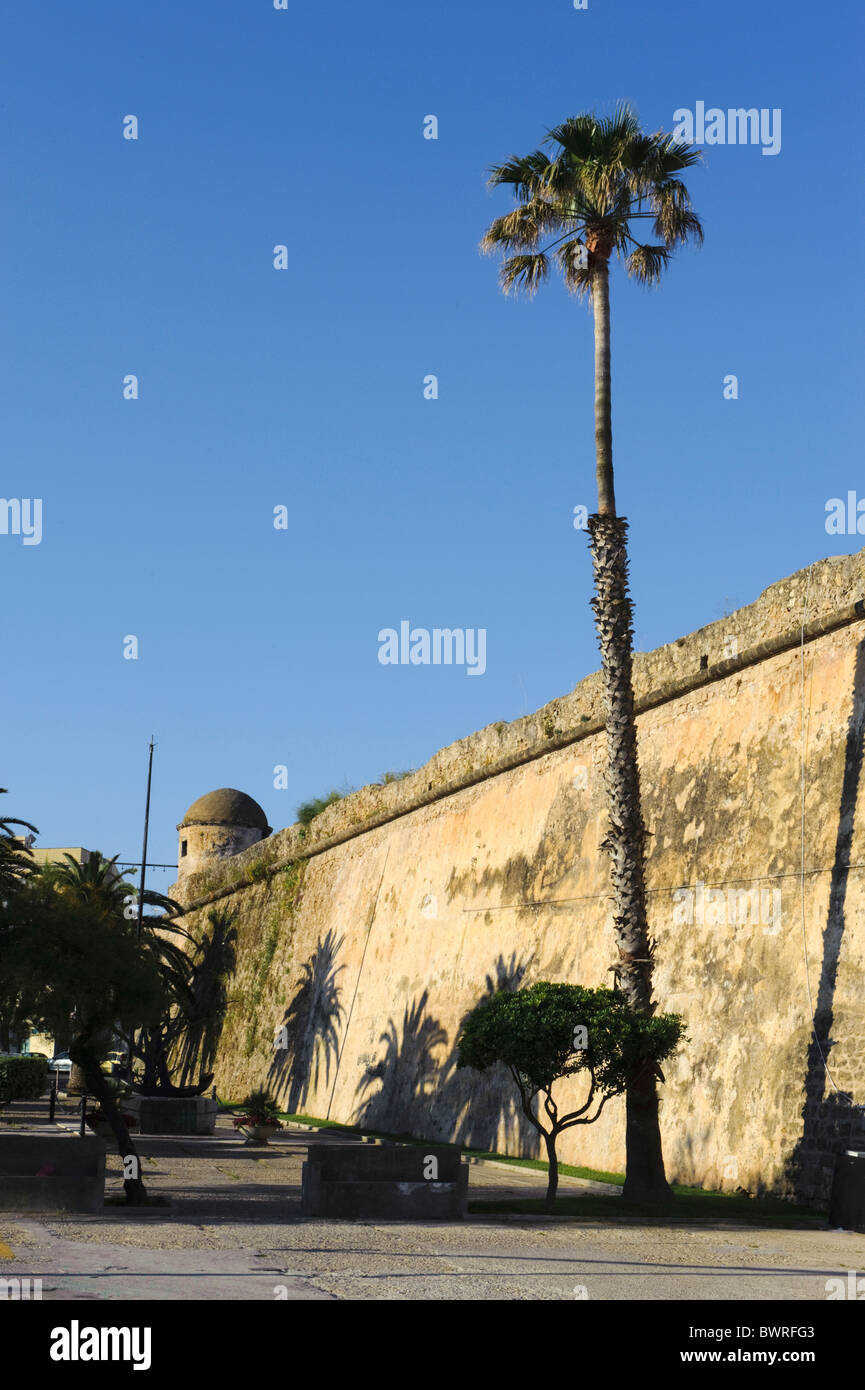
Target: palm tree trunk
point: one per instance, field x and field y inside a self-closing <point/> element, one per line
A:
<point x="625" y="838"/>
<point x="645" y="1179"/>
<point x="603" y="411"/>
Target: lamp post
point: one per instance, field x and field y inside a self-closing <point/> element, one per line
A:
<point x="144" y="850"/>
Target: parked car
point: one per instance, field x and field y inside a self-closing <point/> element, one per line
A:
<point x="61" y="1063"/>
<point x="114" y="1063"/>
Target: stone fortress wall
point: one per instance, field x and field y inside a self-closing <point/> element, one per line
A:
<point x="370" y="934"/>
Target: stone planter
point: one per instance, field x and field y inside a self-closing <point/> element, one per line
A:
<point x="262" y="1134"/>
<point x="173" y="1114"/>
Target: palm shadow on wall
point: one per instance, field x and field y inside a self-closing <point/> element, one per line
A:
<point x="213" y="964"/>
<point x="415" y="1087"/>
<point x="830" y="1123"/>
<point x="312" y="1022"/>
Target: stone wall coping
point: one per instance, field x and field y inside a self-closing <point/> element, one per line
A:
<point x="826" y="596"/>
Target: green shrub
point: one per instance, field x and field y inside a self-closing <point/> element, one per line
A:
<point x="260" y="1107"/>
<point x="22" y="1078"/>
<point x="308" y="810"/>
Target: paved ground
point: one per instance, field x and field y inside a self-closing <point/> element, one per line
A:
<point x="234" y="1231"/>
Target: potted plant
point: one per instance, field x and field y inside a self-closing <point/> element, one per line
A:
<point x="98" y="1122"/>
<point x="260" y="1118"/>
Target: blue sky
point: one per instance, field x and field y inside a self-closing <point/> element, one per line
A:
<point x="304" y="387"/>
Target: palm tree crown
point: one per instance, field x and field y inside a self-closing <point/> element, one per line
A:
<point x="97" y="882"/>
<point x="16" y="857"/>
<point x="605" y="176"/>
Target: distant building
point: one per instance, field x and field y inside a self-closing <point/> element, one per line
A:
<point x="55" y="856"/>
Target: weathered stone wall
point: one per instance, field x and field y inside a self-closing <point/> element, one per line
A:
<point x="370" y="935"/>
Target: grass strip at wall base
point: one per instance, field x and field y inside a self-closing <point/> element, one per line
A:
<point x="691" y="1203"/>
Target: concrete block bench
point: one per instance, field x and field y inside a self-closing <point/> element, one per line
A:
<point x="51" y="1172"/>
<point x="172" y="1114"/>
<point x="409" y="1182"/>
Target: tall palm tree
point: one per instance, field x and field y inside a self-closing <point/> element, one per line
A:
<point x="583" y="201"/>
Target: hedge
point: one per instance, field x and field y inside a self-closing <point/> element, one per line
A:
<point x="22" y="1078"/>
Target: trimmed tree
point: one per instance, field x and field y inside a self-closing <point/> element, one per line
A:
<point x="583" y="202"/>
<point x="547" y="1032"/>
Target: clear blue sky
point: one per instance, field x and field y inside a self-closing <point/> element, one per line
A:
<point x="304" y="387"/>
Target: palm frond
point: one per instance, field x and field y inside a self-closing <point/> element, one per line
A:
<point x="522" y="229"/>
<point x="525" y="175"/>
<point x="575" y="262"/>
<point x="575" y="135"/>
<point x="675" y="155"/>
<point x="647" y="263"/>
<point x="678" y="225"/>
<point x="524" y="274"/>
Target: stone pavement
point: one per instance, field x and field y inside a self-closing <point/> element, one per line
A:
<point x="234" y="1232"/>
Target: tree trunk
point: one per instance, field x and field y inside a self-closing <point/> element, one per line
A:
<point x="553" y="1180"/>
<point x="603" y="411"/>
<point x="625" y="839"/>
<point x="97" y="1086"/>
<point x="645" y="1180"/>
<point x="77" y="1082"/>
<point x="152" y="1051"/>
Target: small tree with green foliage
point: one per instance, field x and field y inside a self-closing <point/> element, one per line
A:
<point x="547" y="1032"/>
<point x="71" y="959"/>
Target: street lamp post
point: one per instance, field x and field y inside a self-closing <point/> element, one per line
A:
<point x="144" y="850"/>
